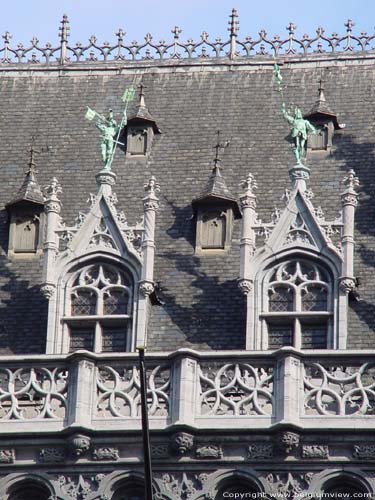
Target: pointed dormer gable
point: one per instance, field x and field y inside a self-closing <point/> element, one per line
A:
<point x="103" y="228"/>
<point x="298" y="279"/>
<point x="298" y="226"/>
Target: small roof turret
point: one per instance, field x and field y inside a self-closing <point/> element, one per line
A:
<point x="30" y="191"/>
<point x="322" y="111"/>
<point x="142" y="114"/>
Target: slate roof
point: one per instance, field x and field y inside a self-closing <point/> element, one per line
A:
<point x="202" y="306"/>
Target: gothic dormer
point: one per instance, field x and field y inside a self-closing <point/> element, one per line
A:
<point x="26" y="216"/>
<point x="325" y="122"/>
<point x="215" y="208"/>
<point x="140" y="130"/>
<point x="297" y="269"/>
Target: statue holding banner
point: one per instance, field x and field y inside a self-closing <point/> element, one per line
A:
<point x="299" y="127"/>
<point x="110" y="129"/>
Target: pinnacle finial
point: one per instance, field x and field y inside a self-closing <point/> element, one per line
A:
<point x="64" y="29"/>
<point x="142" y="102"/>
<point x="351" y="181"/>
<point x="152" y="186"/>
<point x="53" y="189"/>
<point x="234" y="24"/>
<point x="32" y="164"/>
<point x="219" y="146"/>
<point x="321" y="90"/>
<point x="249" y="184"/>
<point x="233" y="29"/>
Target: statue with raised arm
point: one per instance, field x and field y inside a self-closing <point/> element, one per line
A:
<point x="109" y="129"/>
<point x="299" y="130"/>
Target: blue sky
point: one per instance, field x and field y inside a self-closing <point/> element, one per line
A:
<point x="25" y="18"/>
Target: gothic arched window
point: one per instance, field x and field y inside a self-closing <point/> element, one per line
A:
<point x="99" y="301"/>
<point x="129" y="492"/>
<point x="29" y="491"/>
<point x="297" y="305"/>
<point x="239" y="489"/>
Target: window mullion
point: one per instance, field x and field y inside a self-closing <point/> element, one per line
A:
<point x="297" y="341"/>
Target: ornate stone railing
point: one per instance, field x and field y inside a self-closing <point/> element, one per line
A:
<point x="223" y="390"/>
<point x="263" y="45"/>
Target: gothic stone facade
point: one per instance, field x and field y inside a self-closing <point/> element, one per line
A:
<point x="257" y="310"/>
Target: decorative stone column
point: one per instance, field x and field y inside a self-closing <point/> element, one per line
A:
<point x="146" y="283"/>
<point x="349" y="201"/>
<point x="52" y="209"/>
<point x="247" y="245"/>
<point x="247" y="248"/>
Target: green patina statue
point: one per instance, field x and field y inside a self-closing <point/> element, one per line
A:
<point x="109" y="129"/>
<point x="299" y="130"/>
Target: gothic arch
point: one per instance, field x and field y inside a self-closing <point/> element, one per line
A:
<point x="257" y="336"/>
<point x="220" y="480"/>
<point x="56" y="339"/>
<point x="13" y="485"/>
<point x="329" y="480"/>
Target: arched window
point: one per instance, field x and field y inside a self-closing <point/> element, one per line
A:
<point x="344" y="488"/>
<point x="29" y="491"/>
<point x="297" y="304"/>
<point x="238" y="489"/>
<point x="129" y="492"/>
<point x="99" y="300"/>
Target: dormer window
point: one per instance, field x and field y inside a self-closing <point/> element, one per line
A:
<point x="99" y="302"/>
<point x="324" y="121"/>
<point x="140" y="130"/>
<point x="137" y="141"/>
<point x="215" y="210"/>
<point x="298" y="306"/>
<point x="26" y="217"/>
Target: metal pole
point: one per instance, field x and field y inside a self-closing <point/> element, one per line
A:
<point x="145" y="429"/>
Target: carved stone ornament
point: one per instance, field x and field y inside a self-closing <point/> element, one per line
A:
<point x="51" y="455"/>
<point x="247" y="201"/>
<point x="106" y="177"/>
<point x="182" y="442"/>
<point x="159" y="451"/>
<point x="182" y="485"/>
<point x="209" y="451"/>
<point x="48" y="291"/>
<point x="315" y="451"/>
<point x="288" y="485"/>
<point x="52" y="206"/>
<point x="7" y="455"/>
<point x="105" y="453"/>
<point x="79" y="444"/>
<point x="260" y="451"/>
<point x="364" y="451"/>
<point x="246" y="286"/>
<point x="146" y="288"/>
<point x="151" y="204"/>
<point x="288" y="440"/>
<point x="347" y="285"/>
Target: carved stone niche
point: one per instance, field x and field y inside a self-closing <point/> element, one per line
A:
<point x="325" y="122"/>
<point x="26" y="220"/>
<point x="215" y="210"/>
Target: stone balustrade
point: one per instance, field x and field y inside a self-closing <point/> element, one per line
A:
<point x="206" y="390"/>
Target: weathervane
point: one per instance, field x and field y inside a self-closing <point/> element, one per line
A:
<point x="218" y="146"/>
<point x="110" y="129"/>
<point x="299" y="127"/>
